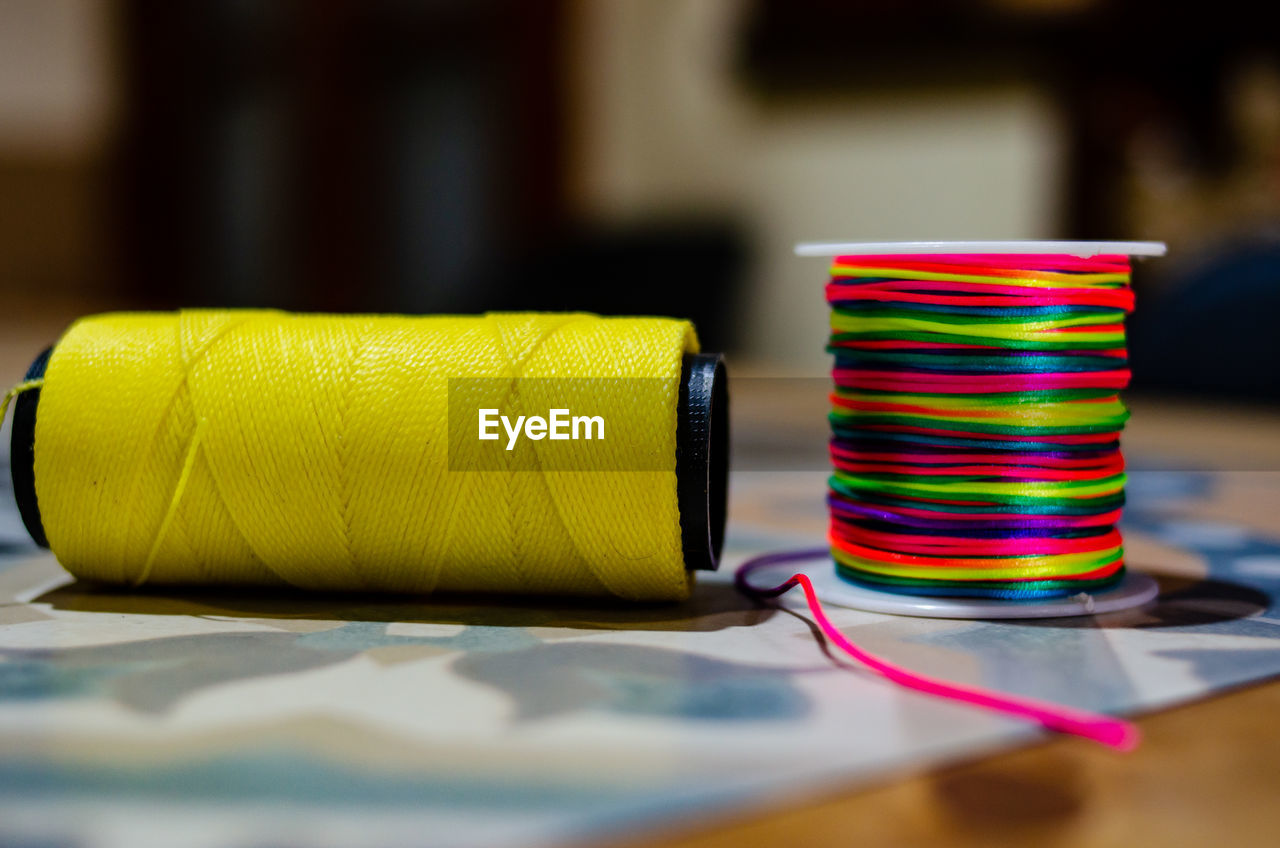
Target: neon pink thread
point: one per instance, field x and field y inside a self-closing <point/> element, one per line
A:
<point x="1112" y="732"/>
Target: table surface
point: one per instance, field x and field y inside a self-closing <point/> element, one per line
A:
<point x="1205" y="772"/>
<point x="1209" y="770"/>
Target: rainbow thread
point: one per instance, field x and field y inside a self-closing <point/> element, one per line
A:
<point x="975" y="422"/>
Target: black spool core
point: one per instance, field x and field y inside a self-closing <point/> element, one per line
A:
<point x="702" y="457"/>
<point x="22" y="454"/>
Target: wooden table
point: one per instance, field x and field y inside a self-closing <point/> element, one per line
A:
<point x="1206" y="774"/>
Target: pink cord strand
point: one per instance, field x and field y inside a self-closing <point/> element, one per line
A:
<point x="1112" y="732"/>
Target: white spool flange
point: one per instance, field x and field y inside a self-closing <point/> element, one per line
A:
<point x="1134" y="590"/>
<point x="1078" y="249"/>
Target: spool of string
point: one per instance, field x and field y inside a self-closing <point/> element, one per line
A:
<point x="975" y="442"/>
<point x="975" y="423"/>
<point x="316" y="451"/>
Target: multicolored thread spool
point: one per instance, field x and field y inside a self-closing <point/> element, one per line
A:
<point x="975" y="444"/>
<point x="342" y="453"/>
<point x="975" y="427"/>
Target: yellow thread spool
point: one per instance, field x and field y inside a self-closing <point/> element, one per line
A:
<point x="266" y="448"/>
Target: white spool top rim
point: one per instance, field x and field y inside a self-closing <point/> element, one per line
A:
<point x="1078" y="249"/>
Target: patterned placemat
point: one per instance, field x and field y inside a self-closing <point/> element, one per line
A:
<point x="246" y="719"/>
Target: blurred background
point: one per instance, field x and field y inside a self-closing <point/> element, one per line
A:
<point x="634" y="156"/>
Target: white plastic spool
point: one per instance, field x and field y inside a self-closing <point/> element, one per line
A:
<point x="1134" y="590"/>
<point x="1078" y="249"/>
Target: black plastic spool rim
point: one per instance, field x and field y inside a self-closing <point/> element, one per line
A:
<point x="702" y="457"/>
<point x="22" y="453"/>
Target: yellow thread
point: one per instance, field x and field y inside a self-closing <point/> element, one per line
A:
<point x="250" y="447"/>
<point x="173" y="504"/>
<point x="24" y="386"/>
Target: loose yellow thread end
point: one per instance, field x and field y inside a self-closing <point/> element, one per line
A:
<point x="25" y="386"/>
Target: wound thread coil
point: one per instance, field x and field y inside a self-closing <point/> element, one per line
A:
<point x="975" y="422"/>
<point x="975" y="443"/>
<point x="266" y="448"/>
